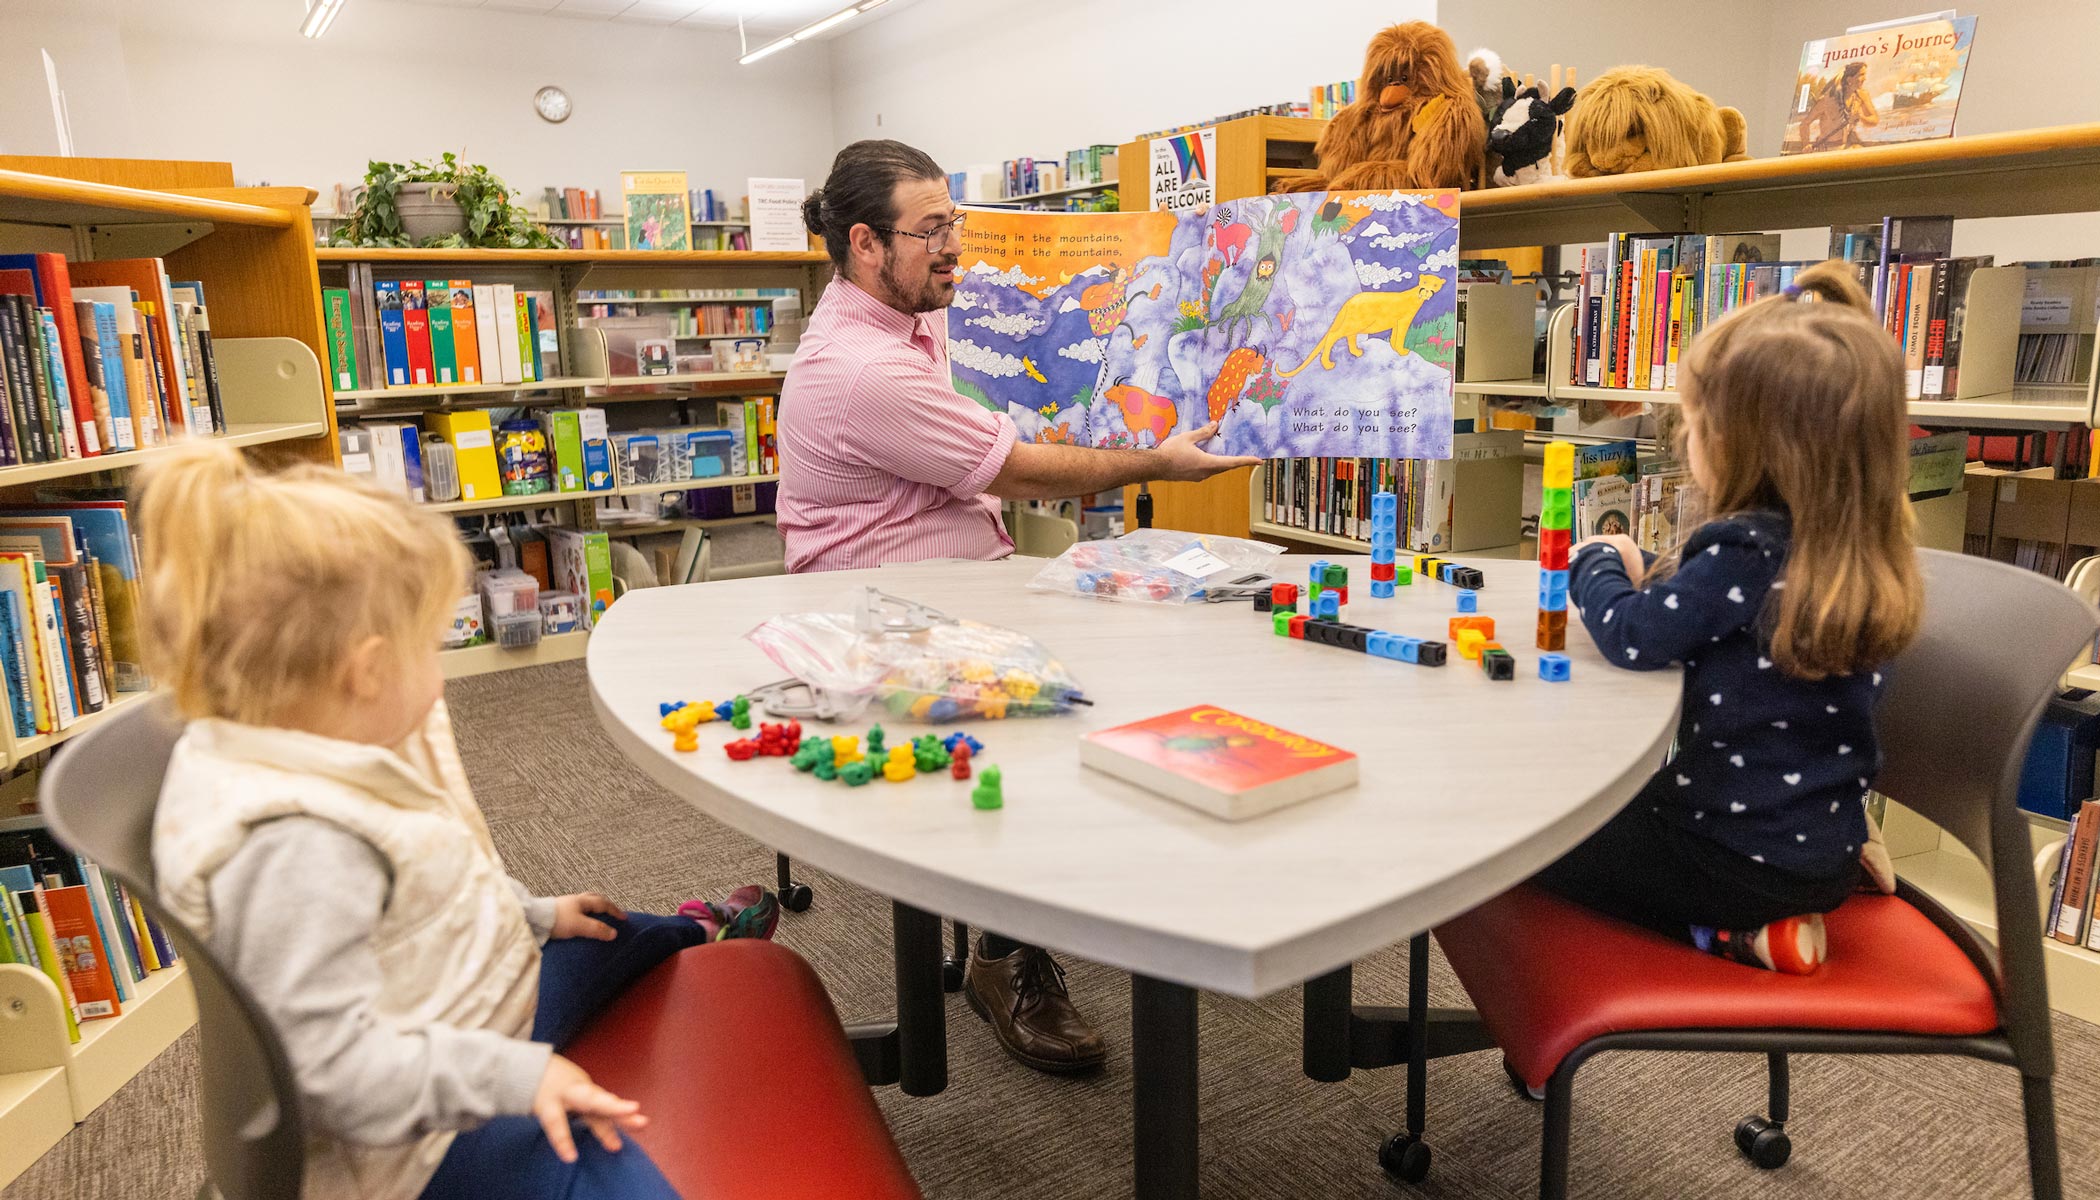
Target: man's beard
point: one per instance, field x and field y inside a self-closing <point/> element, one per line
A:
<point x="920" y="295"/>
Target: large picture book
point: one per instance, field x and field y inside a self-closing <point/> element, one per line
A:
<point x="1318" y="325"/>
<point x="658" y="210"/>
<point x="1875" y="84"/>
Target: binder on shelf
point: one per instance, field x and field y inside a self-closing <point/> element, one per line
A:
<point x="474" y="450"/>
<point x="503" y="322"/>
<point x="342" y="348"/>
<point x="444" y="362"/>
<point x="415" y="322"/>
<point x="393" y="331"/>
<point x="466" y="330"/>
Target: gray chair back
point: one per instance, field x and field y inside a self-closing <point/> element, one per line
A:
<point x="1961" y="705"/>
<point x="99" y="796"/>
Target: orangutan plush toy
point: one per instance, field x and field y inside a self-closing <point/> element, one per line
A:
<point x="1642" y="119"/>
<point x="1414" y="122"/>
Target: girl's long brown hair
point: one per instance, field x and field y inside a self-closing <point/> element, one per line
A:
<point x="1799" y="407"/>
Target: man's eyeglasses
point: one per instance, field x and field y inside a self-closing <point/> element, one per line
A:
<point x="938" y="240"/>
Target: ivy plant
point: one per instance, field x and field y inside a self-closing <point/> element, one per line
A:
<point x="493" y="222"/>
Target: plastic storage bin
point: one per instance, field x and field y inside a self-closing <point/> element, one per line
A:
<point x="513" y="601"/>
<point x="440" y="470"/>
<point x="560" y="612"/>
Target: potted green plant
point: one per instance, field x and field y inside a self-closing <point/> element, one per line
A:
<point x="448" y="203"/>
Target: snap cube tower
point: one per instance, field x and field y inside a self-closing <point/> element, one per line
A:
<point x="1386" y="571"/>
<point x="1556" y="531"/>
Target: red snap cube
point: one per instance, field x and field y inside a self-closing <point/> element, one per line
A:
<point x="1283" y="595"/>
<point x="1298" y="627"/>
<point x="1383" y="572"/>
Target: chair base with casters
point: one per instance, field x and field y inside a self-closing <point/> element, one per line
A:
<point x="797" y="897"/>
<point x="737" y="1021"/>
<point x="1557" y="984"/>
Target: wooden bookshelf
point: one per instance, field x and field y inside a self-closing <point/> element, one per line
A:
<point x="549" y="499"/>
<point x="489" y="658"/>
<point x="638" y="258"/>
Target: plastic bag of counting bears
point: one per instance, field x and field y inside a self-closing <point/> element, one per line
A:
<point x="1155" y="566"/>
<point x="918" y="663"/>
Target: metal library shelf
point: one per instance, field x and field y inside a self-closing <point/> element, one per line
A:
<point x="2085" y="675"/>
<point x="545" y="499"/>
<point x="490" y="658"/>
<point x="645" y="528"/>
<point x="468" y="389"/>
<point x="637" y="258"/>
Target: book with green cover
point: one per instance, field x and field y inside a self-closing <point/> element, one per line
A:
<point x="47" y="958"/>
<point x="342" y="352"/>
<point x="528" y="354"/>
<point x="444" y="360"/>
<point x="564" y="428"/>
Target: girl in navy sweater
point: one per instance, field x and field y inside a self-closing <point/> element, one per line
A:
<point x="1783" y="611"/>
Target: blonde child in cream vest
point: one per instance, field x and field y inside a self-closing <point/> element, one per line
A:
<point x="316" y="829"/>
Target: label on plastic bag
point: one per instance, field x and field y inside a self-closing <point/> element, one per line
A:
<point x="1197" y="563"/>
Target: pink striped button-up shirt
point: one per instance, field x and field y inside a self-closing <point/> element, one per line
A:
<point x="881" y="460"/>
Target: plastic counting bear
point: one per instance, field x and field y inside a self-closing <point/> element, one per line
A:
<point x="1556" y="531"/>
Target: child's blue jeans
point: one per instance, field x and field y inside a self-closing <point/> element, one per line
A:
<point x="510" y="1156"/>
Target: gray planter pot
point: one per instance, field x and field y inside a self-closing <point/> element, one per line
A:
<point x="429" y="210"/>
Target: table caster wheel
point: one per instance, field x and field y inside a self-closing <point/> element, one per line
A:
<point x="1524" y="1090"/>
<point x="797" y="897"/>
<point x="1763" y="1143"/>
<point x="952" y="974"/>
<point x="1405" y="1157"/>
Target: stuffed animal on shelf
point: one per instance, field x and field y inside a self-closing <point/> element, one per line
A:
<point x="1520" y="139"/>
<point x="1643" y="119"/>
<point x="1414" y="122"/>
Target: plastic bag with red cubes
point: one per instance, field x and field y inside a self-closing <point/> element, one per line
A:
<point x="1155" y="566"/>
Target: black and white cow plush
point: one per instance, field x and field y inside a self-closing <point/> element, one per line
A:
<point x="1523" y="131"/>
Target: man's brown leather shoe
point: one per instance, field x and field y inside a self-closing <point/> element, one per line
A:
<point x="1023" y="996"/>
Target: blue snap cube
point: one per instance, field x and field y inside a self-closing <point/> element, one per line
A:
<point x="1381" y="589"/>
<point x="1468" y="601"/>
<point x="1553" y="668"/>
<point x="1330" y="606"/>
<point x="1553" y="599"/>
<point x="1318" y="572"/>
<point x="1375" y="643"/>
<point x="1444" y="570"/>
<point x="1556" y="579"/>
<point x="1383" y="552"/>
<point x="1385" y="502"/>
<point x="1410" y="648"/>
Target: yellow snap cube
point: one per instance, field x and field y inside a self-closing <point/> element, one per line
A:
<point x="1560" y="465"/>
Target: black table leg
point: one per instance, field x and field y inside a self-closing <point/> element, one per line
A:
<point x="922" y="1029"/>
<point x="1163" y="1054"/>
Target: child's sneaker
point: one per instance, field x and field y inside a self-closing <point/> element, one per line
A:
<point x="1790" y="945"/>
<point x="748" y="912"/>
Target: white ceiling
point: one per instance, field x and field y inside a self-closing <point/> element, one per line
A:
<point x="761" y="17"/>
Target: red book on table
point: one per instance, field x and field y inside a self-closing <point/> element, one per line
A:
<point x="1222" y="762"/>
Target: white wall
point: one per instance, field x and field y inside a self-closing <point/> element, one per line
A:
<point x="233" y="80"/>
<point x="973" y="81"/>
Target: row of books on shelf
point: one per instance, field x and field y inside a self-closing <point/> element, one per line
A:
<point x="1331" y="99"/>
<point x="1025" y="176"/>
<point x="2071" y="899"/>
<point x="1333" y="496"/>
<point x="1640" y="299"/>
<point x="579" y="204"/>
<point x="69" y="612"/>
<point x="66" y="917"/>
<point x="410" y="333"/>
<point x="586" y="237"/>
<point x="1282" y="108"/>
<point x="482" y="454"/>
<point x="101" y="357"/>
<point x="747" y="318"/>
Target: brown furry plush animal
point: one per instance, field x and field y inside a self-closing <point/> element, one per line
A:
<point x="1643" y="119"/>
<point x="1414" y="122"/>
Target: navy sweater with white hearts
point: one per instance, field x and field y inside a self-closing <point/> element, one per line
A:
<point x="1770" y="766"/>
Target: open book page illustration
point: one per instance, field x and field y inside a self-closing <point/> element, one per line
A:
<point x="1313" y="325"/>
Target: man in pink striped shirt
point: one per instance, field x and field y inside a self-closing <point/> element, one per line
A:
<point x="882" y="461"/>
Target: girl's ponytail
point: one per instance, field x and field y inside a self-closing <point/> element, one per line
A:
<point x="185" y="502"/>
<point x="1832" y="282"/>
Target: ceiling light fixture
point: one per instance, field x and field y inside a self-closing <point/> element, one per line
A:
<point x="320" y="14"/>
<point x="800" y="35"/>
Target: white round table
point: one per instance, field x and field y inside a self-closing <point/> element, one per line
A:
<point x="1467" y="786"/>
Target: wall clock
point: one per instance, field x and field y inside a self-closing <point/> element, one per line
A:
<point x="552" y="104"/>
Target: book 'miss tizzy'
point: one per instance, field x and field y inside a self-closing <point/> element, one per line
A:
<point x="1226" y="764"/>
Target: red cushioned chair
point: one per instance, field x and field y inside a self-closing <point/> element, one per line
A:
<point x="716" y="1028"/>
<point x="1557" y="984"/>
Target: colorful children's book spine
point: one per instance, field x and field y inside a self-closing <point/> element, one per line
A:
<point x="82" y="953"/>
<point x="139" y="377"/>
<point x="48" y="957"/>
<point x="120" y="915"/>
<point x="415" y="320"/>
<point x="204" y="361"/>
<point x="14" y="657"/>
<point x="2078" y="884"/>
<point x="1680" y="289"/>
<point x="63" y="417"/>
<point x="393" y="332"/>
<point x="1659" y="334"/>
<point x="106" y="929"/>
<point x="466" y="343"/>
<point x="529" y="338"/>
<point x="142" y="932"/>
<point x="1917" y="298"/>
<point x="12" y="931"/>
<point x="91" y="359"/>
<point x="54" y="292"/>
<point x="342" y="349"/>
<point x="444" y="360"/>
<point x="116" y="376"/>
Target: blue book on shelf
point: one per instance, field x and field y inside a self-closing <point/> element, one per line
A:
<point x="14" y="658"/>
<point x="412" y="459"/>
<point x="393" y="331"/>
<point x="19" y="878"/>
<point x="113" y="377"/>
<point x="61" y="393"/>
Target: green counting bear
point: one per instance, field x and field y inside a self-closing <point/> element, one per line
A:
<point x="988" y="794"/>
<point x="857" y="773"/>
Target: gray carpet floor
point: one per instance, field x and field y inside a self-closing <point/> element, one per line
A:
<point x="568" y="814"/>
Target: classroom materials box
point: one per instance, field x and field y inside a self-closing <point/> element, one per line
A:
<point x="582" y="560"/>
<point x="473" y="450"/>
